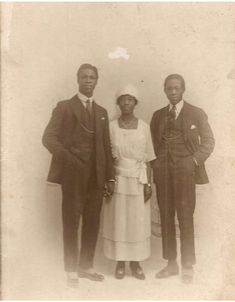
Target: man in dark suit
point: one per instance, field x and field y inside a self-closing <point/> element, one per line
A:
<point x="182" y="140"/>
<point x="78" y="138"/>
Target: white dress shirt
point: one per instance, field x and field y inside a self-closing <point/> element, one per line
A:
<point x="178" y="107"/>
<point x="84" y="98"/>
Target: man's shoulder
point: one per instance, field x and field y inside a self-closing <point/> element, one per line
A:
<point x="194" y="110"/>
<point x="160" y="111"/>
<point x="67" y="102"/>
<point x="100" y="108"/>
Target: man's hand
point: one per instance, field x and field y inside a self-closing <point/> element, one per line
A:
<point x="147" y="192"/>
<point x="109" y="189"/>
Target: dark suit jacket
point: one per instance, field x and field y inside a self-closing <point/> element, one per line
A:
<point x="61" y="138"/>
<point x="197" y="133"/>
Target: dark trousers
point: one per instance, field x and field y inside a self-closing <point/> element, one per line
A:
<point x="175" y="186"/>
<point x="81" y="197"/>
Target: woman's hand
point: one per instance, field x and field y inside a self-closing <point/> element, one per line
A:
<point x="147" y="192"/>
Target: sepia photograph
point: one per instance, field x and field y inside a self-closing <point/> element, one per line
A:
<point x="117" y="151"/>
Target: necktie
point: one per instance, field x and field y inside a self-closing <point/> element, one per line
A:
<point x="171" y="118"/>
<point x="172" y="112"/>
<point x="88" y="106"/>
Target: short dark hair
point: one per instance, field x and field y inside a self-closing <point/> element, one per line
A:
<point x="87" y="66"/>
<point x="175" y="76"/>
<point x="118" y="99"/>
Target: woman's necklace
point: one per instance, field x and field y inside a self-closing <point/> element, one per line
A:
<point x="131" y="124"/>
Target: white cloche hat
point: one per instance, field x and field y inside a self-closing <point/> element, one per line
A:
<point x="128" y="89"/>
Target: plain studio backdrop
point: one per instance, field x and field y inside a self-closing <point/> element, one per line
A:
<point x="42" y="47"/>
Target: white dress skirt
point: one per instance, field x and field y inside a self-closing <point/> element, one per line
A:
<point x="127" y="218"/>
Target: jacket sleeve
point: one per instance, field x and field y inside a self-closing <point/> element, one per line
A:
<point x="207" y="141"/>
<point x="153" y="131"/>
<point x="51" y="135"/>
<point x="110" y="175"/>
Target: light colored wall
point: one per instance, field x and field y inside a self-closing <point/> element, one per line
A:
<point x="43" y="46"/>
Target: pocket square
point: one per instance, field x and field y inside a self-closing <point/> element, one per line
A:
<point x="193" y="127"/>
<point x="103" y="118"/>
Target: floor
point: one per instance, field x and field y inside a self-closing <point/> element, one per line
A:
<point x="46" y="280"/>
<point x="33" y="263"/>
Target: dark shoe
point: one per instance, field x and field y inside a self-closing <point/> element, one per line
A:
<point x="72" y="282"/>
<point x="120" y="271"/>
<point x="187" y="275"/>
<point x="91" y="276"/>
<point x="168" y="271"/>
<point x="137" y="271"/>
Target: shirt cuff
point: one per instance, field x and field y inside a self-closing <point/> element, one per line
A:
<point x="195" y="161"/>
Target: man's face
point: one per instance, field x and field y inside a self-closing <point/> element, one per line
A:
<point x="174" y="91"/>
<point x="87" y="81"/>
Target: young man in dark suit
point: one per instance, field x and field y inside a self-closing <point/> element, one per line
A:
<point x="77" y="136"/>
<point x="182" y="140"/>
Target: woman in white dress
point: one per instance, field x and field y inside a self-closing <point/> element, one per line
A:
<point x="127" y="221"/>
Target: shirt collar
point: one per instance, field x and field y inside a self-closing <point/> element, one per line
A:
<point x="178" y="106"/>
<point x="84" y="98"/>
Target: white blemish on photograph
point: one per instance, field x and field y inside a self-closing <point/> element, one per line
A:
<point x="119" y="53"/>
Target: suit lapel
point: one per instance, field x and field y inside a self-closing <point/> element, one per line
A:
<point x="163" y="121"/>
<point x="76" y="106"/>
<point x="185" y="120"/>
<point x="98" y="115"/>
<point x="77" y="109"/>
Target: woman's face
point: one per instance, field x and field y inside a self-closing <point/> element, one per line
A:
<point x="127" y="104"/>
